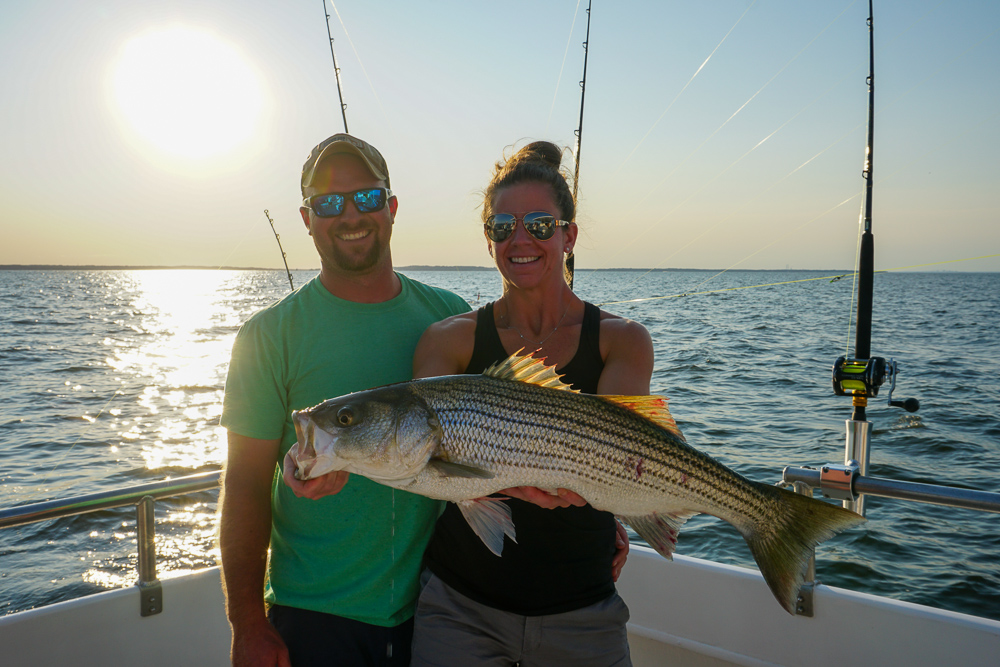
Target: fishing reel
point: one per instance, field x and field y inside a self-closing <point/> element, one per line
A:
<point x="863" y="377"/>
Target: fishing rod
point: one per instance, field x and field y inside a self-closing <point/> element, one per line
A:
<point x="336" y="70"/>
<point x="278" y="239"/>
<point x="861" y="375"/>
<point x="570" y="259"/>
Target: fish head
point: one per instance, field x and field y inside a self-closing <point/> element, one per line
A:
<point x="386" y="434"/>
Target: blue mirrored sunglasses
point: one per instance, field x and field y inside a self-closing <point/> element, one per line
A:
<point x="331" y="204"/>
<point x="541" y="225"/>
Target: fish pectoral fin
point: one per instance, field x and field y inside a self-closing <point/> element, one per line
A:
<point x="449" y="469"/>
<point x="659" y="530"/>
<point x="490" y="519"/>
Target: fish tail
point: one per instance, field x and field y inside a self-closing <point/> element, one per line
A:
<point x="782" y="545"/>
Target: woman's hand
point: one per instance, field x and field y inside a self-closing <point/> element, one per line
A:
<point x="545" y="499"/>
<point x="621" y="551"/>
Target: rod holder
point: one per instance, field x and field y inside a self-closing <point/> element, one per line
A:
<point x="856" y="456"/>
<point x="150" y="590"/>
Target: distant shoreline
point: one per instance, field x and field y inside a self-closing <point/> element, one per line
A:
<point x="415" y="267"/>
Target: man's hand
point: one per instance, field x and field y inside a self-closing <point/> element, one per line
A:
<point x="260" y="647"/>
<point x="545" y="499"/>
<point x="621" y="551"/>
<point x="314" y="489"/>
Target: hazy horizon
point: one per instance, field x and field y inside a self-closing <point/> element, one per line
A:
<point x="724" y="134"/>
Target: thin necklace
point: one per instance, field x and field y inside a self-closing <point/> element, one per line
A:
<point x="525" y="338"/>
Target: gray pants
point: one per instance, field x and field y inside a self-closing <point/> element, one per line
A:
<point x="451" y="630"/>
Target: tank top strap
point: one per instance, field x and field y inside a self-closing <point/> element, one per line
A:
<point x="488" y="347"/>
<point x="590" y="335"/>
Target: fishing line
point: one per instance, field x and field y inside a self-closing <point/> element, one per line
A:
<point x="562" y="66"/>
<point x="752" y="199"/>
<point x="378" y="100"/>
<point x="651" y="191"/>
<point x="844" y="136"/>
<point x="831" y="278"/>
<point x="696" y="73"/>
<point x="835" y="207"/>
<point x="775" y="241"/>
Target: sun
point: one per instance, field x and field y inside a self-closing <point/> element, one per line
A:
<point x="187" y="92"/>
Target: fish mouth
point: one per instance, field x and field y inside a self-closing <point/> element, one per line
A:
<point x="315" y="453"/>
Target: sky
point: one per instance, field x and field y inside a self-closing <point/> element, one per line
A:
<point x="716" y="134"/>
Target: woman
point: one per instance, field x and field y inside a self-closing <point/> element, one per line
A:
<point x="550" y="599"/>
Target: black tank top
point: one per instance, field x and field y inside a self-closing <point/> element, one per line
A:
<point x="562" y="558"/>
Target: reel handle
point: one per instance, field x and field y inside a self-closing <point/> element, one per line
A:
<point x="910" y="404"/>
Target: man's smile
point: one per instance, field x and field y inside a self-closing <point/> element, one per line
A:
<point x="354" y="236"/>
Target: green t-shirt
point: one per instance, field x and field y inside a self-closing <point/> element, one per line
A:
<point x="358" y="553"/>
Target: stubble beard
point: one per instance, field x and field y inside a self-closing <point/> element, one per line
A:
<point x="346" y="262"/>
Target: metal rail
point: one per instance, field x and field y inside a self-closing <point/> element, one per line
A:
<point x="132" y="495"/>
<point x="141" y="497"/>
<point x="855" y="485"/>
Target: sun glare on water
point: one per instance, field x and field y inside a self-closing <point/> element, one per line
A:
<point x="186" y="92"/>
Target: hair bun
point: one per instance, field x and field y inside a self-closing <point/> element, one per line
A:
<point x="537" y="162"/>
<point x="539" y="151"/>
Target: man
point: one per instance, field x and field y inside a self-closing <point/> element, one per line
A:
<point x="342" y="573"/>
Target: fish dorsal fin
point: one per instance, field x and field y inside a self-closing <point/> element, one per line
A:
<point x="653" y="408"/>
<point x="526" y="368"/>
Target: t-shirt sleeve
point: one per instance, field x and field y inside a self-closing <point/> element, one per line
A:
<point x="256" y="400"/>
<point x="459" y="305"/>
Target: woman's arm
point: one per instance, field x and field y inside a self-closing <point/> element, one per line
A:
<point x="628" y="358"/>
<point x="628" y="369"/>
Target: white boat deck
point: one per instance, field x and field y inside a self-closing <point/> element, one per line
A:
<point x="690" y="612"/>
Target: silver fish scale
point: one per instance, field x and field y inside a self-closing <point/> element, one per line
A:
<point x="534" y="436"/>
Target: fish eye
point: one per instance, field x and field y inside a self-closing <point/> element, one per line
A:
<point x="345" y="416"/>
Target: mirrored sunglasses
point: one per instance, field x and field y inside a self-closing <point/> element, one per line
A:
<point x="331" y="204"/>
<point x="541" y="225"/>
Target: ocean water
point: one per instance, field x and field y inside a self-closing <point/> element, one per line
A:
<point x="112" y="378"/>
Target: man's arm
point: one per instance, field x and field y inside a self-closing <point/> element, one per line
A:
<point x="244" y="537"/>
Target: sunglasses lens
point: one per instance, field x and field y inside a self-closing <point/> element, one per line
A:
<point x="369" y="201"/>
<point x="540" y="225"/>
<point x="328" y="206"/>
<point x="499" y="227"/>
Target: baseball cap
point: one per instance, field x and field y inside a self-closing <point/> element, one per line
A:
<point x="344" y="143"/>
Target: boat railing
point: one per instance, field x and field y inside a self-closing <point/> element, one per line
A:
<point x="142" y="497"/>
<point x="847" y="484"/>
<point x="841" y="482"/>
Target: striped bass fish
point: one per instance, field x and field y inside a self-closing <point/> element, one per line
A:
<point x="463" y="437"/>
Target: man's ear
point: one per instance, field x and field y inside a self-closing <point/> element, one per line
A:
<point x="305" y="218"/>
